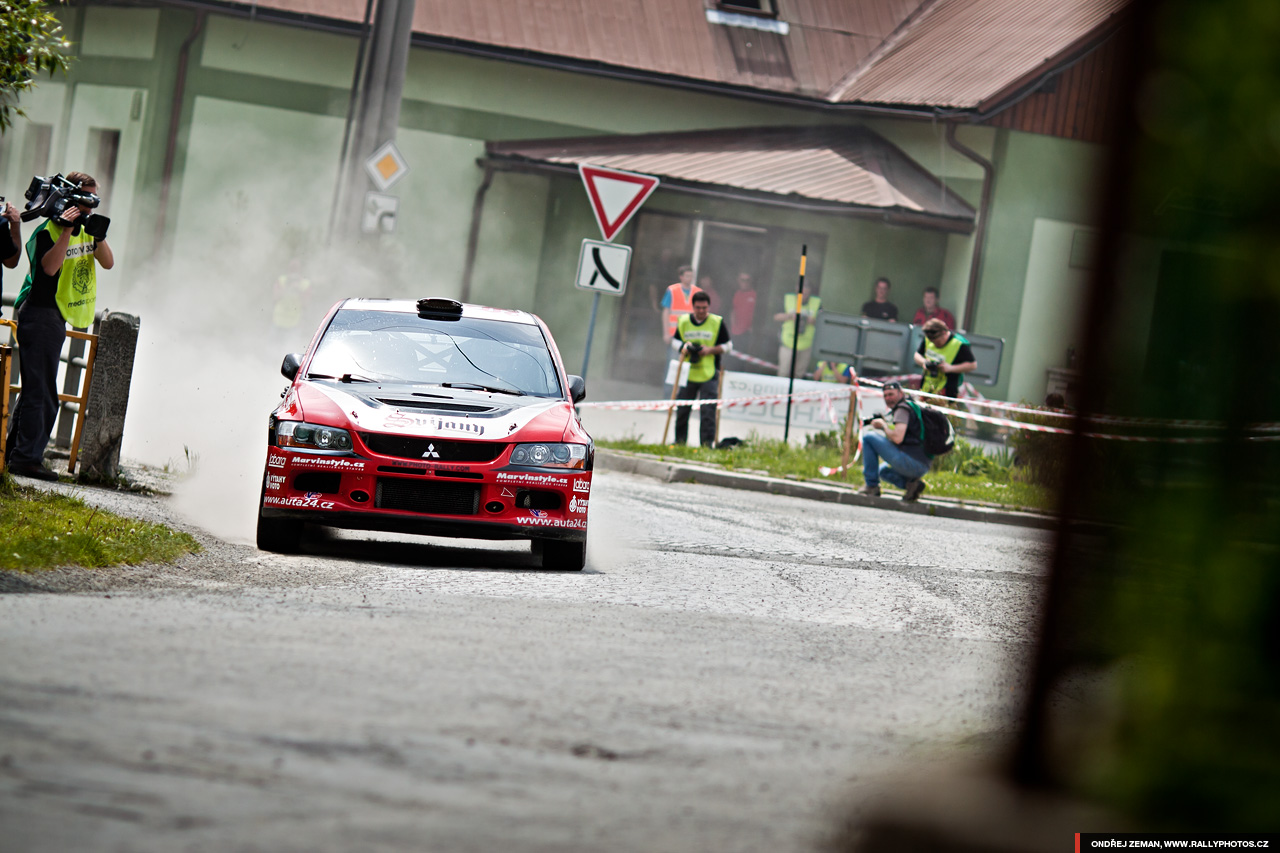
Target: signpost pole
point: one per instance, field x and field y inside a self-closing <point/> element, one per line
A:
<point x="591" y="330"/>
<point x="795" y="340"/>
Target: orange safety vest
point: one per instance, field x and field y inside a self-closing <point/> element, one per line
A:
<point x="680" y="304"/>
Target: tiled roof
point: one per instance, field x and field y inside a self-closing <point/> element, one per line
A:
<point x="843" y="170"/>
<point x="966" y="53"/>
<point x="919" y="53"/>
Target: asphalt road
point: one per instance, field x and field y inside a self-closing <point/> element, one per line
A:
<point x="733" y="671"/>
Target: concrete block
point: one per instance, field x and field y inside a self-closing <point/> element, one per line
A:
<point x="108" y="398"/>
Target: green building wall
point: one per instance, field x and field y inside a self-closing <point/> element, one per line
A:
<point x="259" y="128"/>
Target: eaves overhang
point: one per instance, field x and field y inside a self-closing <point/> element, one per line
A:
<point x="836" y="171"/>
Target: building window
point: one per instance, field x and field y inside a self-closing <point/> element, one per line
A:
<point x="104" y="148"/>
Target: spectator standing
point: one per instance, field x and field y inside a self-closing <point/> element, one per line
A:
<point x="10" y="241"/>
<point x="893" y="447"/>
<point x="677" y="301"/>
<point x="808" y="311"/>
<point x="932" y="309"/>
<point x="880" y="308"/>
<point x="945" y="357"/>
<point x="61" y="288"/>
<point x="702" y="337"/>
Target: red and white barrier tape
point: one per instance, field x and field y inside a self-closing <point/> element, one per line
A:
<point x="751" y="359"/>
<point x="828" y="398"/>
<point x="722" y="403"/>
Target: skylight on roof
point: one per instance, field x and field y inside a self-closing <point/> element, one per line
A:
<point x="751" y="22"/>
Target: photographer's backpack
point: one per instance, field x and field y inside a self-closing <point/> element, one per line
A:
<point x="936" y="433"/>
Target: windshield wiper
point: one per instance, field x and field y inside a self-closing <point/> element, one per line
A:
<point x="477" y="386"/>
<point x="346" y="377"/>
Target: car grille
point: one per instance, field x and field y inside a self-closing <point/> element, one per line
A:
<point x="434" y="498"/>
<point x="434" y="449"/>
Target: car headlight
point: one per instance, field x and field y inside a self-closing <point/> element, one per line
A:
<point x="550" y="455"/>
<point x="311" y="436"/>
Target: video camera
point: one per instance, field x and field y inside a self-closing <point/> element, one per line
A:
<point x="50" y="197"/>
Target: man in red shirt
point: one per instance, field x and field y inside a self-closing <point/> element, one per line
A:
<point x="932" y="309"/>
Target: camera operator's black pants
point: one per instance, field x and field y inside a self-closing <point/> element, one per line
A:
<point x="706" y="413"/>
<point x="41" y="332"/>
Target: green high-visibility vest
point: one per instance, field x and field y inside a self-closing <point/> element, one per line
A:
<point x="77" y="293"/>
<point x="809" y="308"/>
<point x="936" y="383"/>
<point x="704" y="367"/>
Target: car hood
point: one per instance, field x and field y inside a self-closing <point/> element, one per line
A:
<point x="429" y="412"/>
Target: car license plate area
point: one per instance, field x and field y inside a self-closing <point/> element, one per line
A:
<point x="435" y="498"/>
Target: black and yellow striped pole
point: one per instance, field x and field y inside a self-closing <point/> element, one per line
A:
<point x="795" y="340"/>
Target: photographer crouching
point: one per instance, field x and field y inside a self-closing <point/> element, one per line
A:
<point x="60" y="288"/>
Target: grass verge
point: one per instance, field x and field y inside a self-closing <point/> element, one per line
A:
<point x="45" y="530"/>
<point x="997" y="482"/>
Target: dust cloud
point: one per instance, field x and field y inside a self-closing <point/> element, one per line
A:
<point x="207" y="369"/>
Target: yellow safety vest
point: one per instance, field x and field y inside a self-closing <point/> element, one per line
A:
<point x="77" y="293"/>
<point x="936" y="383"/>
<point x="704" y="367"/>
<point x="809" y="308"/>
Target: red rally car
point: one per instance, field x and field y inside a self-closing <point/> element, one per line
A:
<point x="430" y="417"/>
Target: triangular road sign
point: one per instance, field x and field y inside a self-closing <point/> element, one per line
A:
<point x="615" y="195"/>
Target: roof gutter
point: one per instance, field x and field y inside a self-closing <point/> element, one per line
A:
<point x="894" y="215"/>
<point x="980" y="235"/>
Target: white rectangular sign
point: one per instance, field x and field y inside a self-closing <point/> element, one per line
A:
<point x="820" y="415"/>
<point x="603" y="267"/>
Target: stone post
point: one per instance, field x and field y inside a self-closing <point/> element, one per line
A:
<point x="108" y="398"/>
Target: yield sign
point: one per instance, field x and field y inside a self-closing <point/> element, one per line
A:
<point x="615" y="195"/>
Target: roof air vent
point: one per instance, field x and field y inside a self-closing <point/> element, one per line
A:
<point x="439" y="307"/>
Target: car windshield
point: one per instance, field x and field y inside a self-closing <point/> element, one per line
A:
<point x="381" y="346"/>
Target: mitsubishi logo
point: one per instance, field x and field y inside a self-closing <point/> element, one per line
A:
<point x="431" y="452"/>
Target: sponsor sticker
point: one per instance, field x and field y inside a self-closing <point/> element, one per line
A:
<point x="538" y="513"/>
<point x="582" y="485"/>
<point x="274" y="461"/>
<point x="463" y="426"/>
<point x="574" y="523"/>
<point x="274" y="482"/>
<point x="328" y="463"/>
<point x="578" y="505"/>
<point x="308" y="502"/>
<point x="532" y="479"/>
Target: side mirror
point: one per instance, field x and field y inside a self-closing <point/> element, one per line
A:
<point x="291" y="365"/>
<point x="577" y="388"/>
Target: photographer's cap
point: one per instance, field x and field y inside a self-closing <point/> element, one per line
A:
<point x="892" y="384"/>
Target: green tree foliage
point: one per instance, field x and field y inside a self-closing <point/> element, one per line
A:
<point x="31" y="41"/>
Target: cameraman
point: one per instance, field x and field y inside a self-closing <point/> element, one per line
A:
<point x="60" y="288"/>
<point x="702" y="337"/>
<point x="892" y="448"/>
<point x="10" y="240"/>
<point x="945" y="356"/>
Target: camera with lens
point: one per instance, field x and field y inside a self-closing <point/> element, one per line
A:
<point x="933" y="366"/>
<point x="694" y="349"/>
<point x="51" y="197"/>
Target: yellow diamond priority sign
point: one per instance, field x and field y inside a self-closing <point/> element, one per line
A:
<point x="386" y="166"/>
